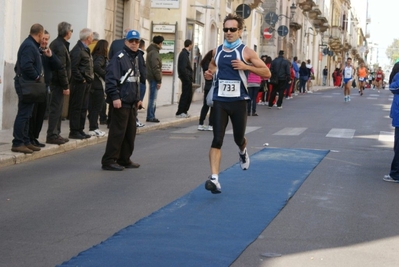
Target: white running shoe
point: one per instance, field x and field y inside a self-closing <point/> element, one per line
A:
<point x="183" y="115"/>
<point x="97" y="133"/>
<point x="209" y="128"/>
<point x="388" y="178"/>
<point x="213" y="185"/>
<point x="244" y="160"/>
<point x="139" y="124"/>
<point x="201" y="127"/>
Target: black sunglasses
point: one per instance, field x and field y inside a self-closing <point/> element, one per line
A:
<point x="231" y="29"/>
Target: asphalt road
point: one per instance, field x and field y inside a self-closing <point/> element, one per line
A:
<point x="343" y="215"/>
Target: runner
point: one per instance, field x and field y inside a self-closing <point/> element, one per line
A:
<point x="379" y="77"/>
<point x="348" y="72"/>
<point x="362" y="76"/>
<point x="229" y="67"/>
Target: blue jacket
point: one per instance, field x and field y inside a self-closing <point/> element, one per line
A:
<point x="296" y="69"/>
<point x="394" y="88"/>
<point x="128" y="91"/>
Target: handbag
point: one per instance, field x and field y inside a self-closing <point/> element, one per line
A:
<point x="33" y="91"/>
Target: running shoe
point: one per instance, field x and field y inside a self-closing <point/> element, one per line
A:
<point x="388" y="178"/>
<point x="97" y="133"/>
<point x="244" y="160"/>
<point x="201" y="127"/>
<point x="213" y="185"/>
<point x="209" y="128"/>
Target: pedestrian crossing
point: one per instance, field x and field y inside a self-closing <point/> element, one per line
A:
<point x="342" y="133"/>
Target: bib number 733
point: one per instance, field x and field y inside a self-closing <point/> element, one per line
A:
<point x="229" y="88"/>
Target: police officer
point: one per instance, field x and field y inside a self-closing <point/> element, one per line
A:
<point x="123" y="94"/>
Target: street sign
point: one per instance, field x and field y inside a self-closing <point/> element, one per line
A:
<point x="243" y="11"/>
<point x="282" y="30"/>
<point x="271" y="18"/>
<point x="267" y="34"/>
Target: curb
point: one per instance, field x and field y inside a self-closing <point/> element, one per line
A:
<point x="12" y="158"/>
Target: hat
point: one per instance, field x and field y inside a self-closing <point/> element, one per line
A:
<point x="281" y="53"/>
<point x="133" y="35"/>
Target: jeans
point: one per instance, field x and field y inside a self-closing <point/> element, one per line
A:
<point x="21" y="124"/>
<point x="253" y="94"/>
<point x="302" y="84"/>
<point x="394" y="173"/>
<point x="152" y="100"/>
<point x="324" y="80"/>
<point x="142" y="91"/>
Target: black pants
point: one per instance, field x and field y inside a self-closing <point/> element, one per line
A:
<point x="121" y="136"/>
<point x="237" y="111"/>
<point x="78" y="102"/>
<point x="204" y="111"/>
<point x="55" y="112"/>
<point x="96" y="101"/>
<point x="279" y="88"/>
<point x="36" y="121"/>
<point x="185" y="97"/>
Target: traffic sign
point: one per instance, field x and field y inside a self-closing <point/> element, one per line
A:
<point x="271" y="18"/>
<point x="282" y="30"/>
<point x="267" y="34"/>
<point x="243" y="11"/>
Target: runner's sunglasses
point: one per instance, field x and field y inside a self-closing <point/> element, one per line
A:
<point x="231" y="29"/>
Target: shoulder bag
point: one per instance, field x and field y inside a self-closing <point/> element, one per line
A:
<point x="33" y="91"/>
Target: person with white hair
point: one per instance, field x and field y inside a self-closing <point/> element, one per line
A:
<point x="81" y="79"/>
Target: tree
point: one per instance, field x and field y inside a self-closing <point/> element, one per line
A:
<point x="392" y="51"/>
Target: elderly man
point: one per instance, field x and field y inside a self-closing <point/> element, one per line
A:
<point x="123" y="93"/>
<point x="82" y="77"/>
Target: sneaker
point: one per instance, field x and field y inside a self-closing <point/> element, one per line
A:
<point x="183" y="115"/>
<point x="244" y="160"/>
<point x="209" y="128"/>
<point x="213" y="185"/>
<point x="346" y="99"/>
<point x="97" y="133"/>
<point x="139" y="124"/>
<point x="280" y="107"/>
<point x="388" y="178"/>
<point x="201" y="127"/>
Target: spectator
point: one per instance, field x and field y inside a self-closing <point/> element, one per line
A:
<point x="280" y="67"/>
<point x="29" y="66"/>
<point x="143" y="76"/>
<point x="254" y="82"/>
<point x="295" y="65"/>
<point x="186" y="76"/>
<point x="59" y="84"/>
<point x="96" y="97"/>
<point x="96" y="38"/>
<point x="208" y="84"/>
<point x="50" y="64"/>
<point x="154" y="75"/>
<point x="81" y="80"/>
<point x="325" y="74"/>
<point x="311" y="77"/>
<point x="124" y="96"/>
<point x="304" y="74"/>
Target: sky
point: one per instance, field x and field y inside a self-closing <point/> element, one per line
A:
<point x="384" y="16"/>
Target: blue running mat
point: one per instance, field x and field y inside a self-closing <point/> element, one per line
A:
<point x="203" y="229"/>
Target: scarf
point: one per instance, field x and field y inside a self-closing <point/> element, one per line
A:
<point x="232" y="45"/>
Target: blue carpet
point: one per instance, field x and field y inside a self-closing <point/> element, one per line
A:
<point x="202" y="229"/>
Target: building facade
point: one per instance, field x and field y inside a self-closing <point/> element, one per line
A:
<point x="324" y="31"/>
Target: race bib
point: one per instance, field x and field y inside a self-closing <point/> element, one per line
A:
<point x="379" y="76"/>
<point x="348" y="74"/>
<point x="228" y="88"/>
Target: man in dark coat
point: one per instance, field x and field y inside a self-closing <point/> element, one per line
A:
<point x="280" y="67"/>
<point x="81" y="79"/>
<point x="185" y="72"/>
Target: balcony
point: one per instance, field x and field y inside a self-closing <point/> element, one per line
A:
<point x="295" y="25"/>
<point x="306" y="5"/>
<point x="314" y="12"/>
<point x="324" y="27"/>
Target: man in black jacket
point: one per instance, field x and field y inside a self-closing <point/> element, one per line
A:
<point x="186" y="76"/>
<point x="49" y="64"/>
<point x="123" y="94"/>
<point x="81" y="79"/>
<point x="28" y="66"/>
<point x="280" y="67"/>
<point x="59" y="83"/>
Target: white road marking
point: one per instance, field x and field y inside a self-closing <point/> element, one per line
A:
<point x="341" y="133"/>
<point x="291" y="131"/>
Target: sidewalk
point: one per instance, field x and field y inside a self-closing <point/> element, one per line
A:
<point x="166" y="114"/>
